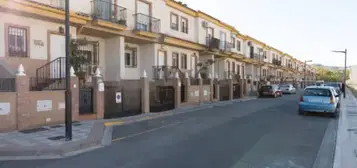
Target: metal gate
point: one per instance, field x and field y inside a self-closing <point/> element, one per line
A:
<point x="162" y="99"/>
<point x="86" y="100"/>
<point x="236" y="91"/>
<point x="121" y="102"/>
<point x="224" y="92"/>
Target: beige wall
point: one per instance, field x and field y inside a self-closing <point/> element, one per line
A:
<point x="8" y="121"/>
<point x="193" y="94"/>
<point x="206" y="93"/>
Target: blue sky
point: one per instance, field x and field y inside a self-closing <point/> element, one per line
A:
<point x="306" y="29"/>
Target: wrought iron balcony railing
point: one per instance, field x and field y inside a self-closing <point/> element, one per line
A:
<point x="212" y="43"/>
<point x="166" y="72"/>
<point x="109" y="12"/>
<point x="147" y="23"/>
<point x="276" y="62"/>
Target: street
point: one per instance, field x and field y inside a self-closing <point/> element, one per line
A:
<point x="262" y="133"/>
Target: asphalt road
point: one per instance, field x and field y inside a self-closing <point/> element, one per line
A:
<point x="263" y="133"/>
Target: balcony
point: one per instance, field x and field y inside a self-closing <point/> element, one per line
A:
<point x="146" y="25"/>
<point x="235" y="75"/>
<point x="212" y="43"/>
<point x="225" y="46"/>
<point x="105" y="13"/>
<point x="276" y="62"/>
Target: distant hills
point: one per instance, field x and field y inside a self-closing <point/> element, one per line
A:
<point x="335" y="68"/>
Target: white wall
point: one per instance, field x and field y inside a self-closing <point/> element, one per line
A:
<point x="38" y="31"/>
<point x="192" y="24"/>
<point x="147" y="57"/>
<point x="114" y="61"/>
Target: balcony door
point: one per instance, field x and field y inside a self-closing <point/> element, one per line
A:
<point x="222" y="38"/>
<point x="104" y="9"/>
<point x="143" y="10"/>
<point x="210" y="35"/>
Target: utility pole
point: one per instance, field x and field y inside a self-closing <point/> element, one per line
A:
<point x="345" y="71"/>
<point x="68" y="95"/>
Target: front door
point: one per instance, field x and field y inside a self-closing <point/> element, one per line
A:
<point x="57" y="56"/>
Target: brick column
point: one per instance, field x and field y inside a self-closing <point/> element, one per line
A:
<point x="230" y="87"/>
<point x="98" y="95"/>
<point x="187" y="83"/>
<point x="22" y="102"/>
<point x="211" y="82"/>
<point x="200" y="84"/>
<point x="177" y="90"/>
<point x="75" y="98"/>
<point x="145" y="93"/>
<point x="241" y="81"/>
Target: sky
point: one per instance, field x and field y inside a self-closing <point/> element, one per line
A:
<point x="305" y="29"/>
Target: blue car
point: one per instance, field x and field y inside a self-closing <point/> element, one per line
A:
<point x="322" y="99"/>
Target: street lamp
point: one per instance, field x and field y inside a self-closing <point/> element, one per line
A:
<point x="260" y="53"/>
<point x="345" y="72"/>
<point x="306" y="61"/>
<point x="68" y="95"/>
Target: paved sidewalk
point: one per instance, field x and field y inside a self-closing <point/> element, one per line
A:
<point x="49" y="141"/>
<point x="185" y="109"/>
<point x="346" y="143"/>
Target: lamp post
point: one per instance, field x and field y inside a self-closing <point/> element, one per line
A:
<point x="345" y="71"/>
<point x="306" y="61"/>
<point x="68" y="96"/>
<point x="260" y="53"/>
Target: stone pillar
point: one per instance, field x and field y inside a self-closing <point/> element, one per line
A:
<point x="230" y="87"/>
<point x="75" y="95"/>
<point x="187" y="83"/>
<point x="200" y="87"/>
<point x="23" y="99"/>
<point x="211" y="98"/>
<point x="145" y="93"/>
<point x="177" y="87"/>
<point x="242" y="84"/>
<point x="98" y="95"/>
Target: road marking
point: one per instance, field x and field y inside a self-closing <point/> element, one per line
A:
<point x="148" y="131"/>
<point x="107" y="124"/>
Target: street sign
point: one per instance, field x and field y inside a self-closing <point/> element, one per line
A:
<point x="118" y="97"/>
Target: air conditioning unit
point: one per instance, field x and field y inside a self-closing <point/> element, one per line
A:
<point x="204" y="24"/>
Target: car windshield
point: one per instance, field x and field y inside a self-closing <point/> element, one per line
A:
<point x="267" y="87"/>
<point x="285" y="85"/>
<point x="317" y="92"/>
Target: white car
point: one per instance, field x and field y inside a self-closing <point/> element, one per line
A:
<point x="288" y="88"/>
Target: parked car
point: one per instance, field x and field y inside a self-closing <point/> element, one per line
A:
<point x="288" y="88"/>
<point x="322" y="99"/>
<point x="270" y="90"/>
<point x="335" y="85"/>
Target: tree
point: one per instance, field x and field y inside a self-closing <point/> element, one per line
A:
<point x="330" y="75"/>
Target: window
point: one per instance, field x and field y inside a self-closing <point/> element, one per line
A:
<point x="130" y="58"/>
<point x="175" y="59"/>
<point x="183" y="61"/>
<point x="184" y="25"/>
<point x="233" y="42"/>
<point x="265" y="54"/>
<point x="238" y="45"/>
<point x="238" y="69"/>
<point x="233" y="67"/>
<point x="174" y="21"/>
<point x="17" y="41"/>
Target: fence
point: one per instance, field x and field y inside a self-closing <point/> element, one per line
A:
<point x="121" y="101"/>
<point x="162" y="98"/>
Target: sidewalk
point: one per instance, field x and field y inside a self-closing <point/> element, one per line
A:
<point x="48" y="142"/>
<point x="346" y="143"/>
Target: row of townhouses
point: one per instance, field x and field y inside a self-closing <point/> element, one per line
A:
<point x="121" y="41"/>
